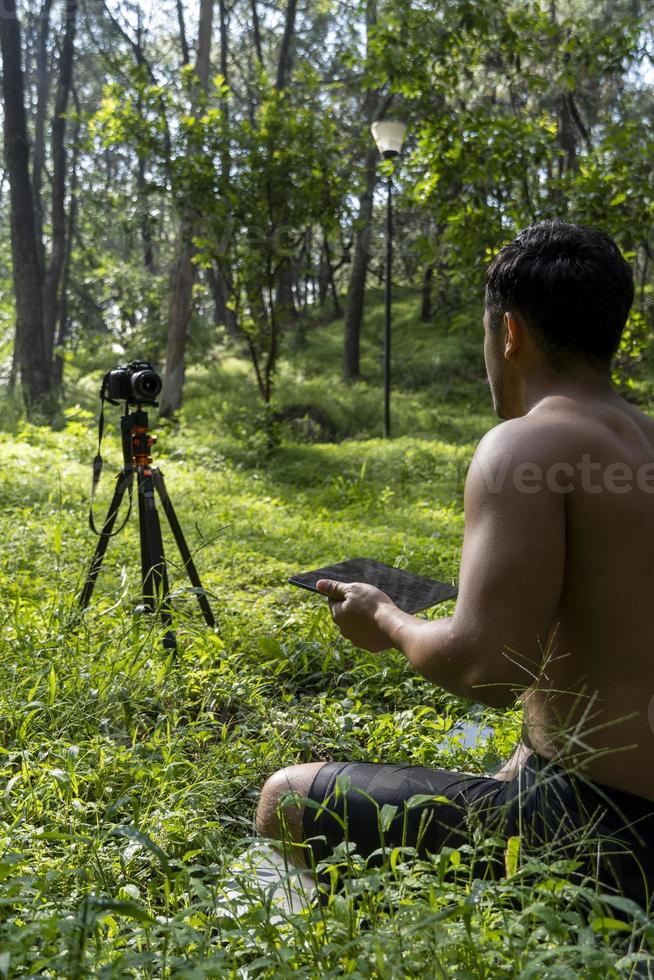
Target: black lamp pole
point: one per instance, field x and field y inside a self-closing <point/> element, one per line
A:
<point x="387" y="321"/>
<point x="389" y="136"/>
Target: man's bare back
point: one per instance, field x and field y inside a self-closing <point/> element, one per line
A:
<point x="556" y="575"/>
<point x="591" y="703"/>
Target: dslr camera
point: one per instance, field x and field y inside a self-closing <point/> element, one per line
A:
<point x="137" y="384"/>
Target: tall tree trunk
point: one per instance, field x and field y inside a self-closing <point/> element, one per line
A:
<point x="374" y="108"/>
<point x="180" y="309"/>
<point x="38" y="155"/>
<point x="182" y="33"/>
<point x="285" y="63"/>
<point x="181" y="296"/>
<point x="256" y="31"/>
<point x="203" y="50"/>
<point x="145" y="219"/>
<point x="284" y="280"/>
<point x="64" y="319"/>
<point x="52" y="283"/>
<point x="354" y="303"/>
<point x="31" y="353"/>
<point x="221" y="277"/>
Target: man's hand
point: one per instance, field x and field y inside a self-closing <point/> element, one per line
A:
<point x="357" y="610"/>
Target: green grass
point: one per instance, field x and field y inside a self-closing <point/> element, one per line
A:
<point x="130" y="777"/>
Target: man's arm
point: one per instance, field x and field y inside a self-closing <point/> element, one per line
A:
<point x="509" y="587"/>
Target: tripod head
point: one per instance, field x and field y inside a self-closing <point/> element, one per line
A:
<point x="136" y="440"/>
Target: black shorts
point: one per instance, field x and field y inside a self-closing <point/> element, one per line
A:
<point x="610" y="832"/>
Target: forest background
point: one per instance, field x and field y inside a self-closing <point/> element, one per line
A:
<point x="196" y="184"/>
<point x="174" y="175"/>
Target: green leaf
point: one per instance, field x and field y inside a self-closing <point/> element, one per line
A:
<point x="52" y="685"/>
<point x="271" y="648"/>
<point x="386" y="816"/>
<point x="123" y="907"/>
<point x="604" y="923"/>
<point x="133" y="833"/>
<point x="512" y="855"/>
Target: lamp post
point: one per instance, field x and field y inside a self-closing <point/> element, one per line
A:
<point x="389" y="137"/>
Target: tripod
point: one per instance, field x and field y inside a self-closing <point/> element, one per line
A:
<point x="137" y="444"/>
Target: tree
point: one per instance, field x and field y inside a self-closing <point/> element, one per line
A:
<point x="28" y="280"/>
<point x="183" y="275"/>
<point x="38" y="283"/>
<point x="52" y="296"/>
<point x="374" y="107"/>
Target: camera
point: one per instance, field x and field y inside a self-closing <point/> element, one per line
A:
<point x="137" y="383"/>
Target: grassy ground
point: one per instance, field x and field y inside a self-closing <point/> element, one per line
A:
<point x="130" y="776"/>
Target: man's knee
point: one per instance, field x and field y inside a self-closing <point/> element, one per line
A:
<point x="278" y="818"/>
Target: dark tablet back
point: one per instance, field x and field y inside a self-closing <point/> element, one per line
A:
<point x="409" y="591"/>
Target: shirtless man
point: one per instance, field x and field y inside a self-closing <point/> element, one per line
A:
<point x="556" y="590"/>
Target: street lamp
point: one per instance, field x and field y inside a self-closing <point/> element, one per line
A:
<point x="389" y="137"/>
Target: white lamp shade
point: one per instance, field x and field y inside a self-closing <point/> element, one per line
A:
<point x="389" y="136"/>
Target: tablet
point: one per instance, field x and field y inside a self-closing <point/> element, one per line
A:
<point x="409" y="591"/>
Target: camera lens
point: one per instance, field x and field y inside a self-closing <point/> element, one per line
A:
<point x="146" y="385"/>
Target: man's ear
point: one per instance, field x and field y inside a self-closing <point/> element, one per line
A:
<point x="513" y="335"/>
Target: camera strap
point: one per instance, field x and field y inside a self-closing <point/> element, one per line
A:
<point x="95" y="479"/>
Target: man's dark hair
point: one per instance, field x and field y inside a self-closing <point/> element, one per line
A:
<point x="571" y="285"/>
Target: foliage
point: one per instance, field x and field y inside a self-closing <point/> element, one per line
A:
<point x="540" y="122"/>
<point x="517" y="111"/>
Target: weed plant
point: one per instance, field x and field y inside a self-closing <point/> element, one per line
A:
<point x="130" y="775"/>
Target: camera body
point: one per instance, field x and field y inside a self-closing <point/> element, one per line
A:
<point x="137" y="383"/>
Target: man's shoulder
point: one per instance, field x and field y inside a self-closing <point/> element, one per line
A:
<point x="514" y="457"/>
<point x="536" y="437"/>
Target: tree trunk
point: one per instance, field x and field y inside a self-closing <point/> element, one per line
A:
<point x="285" y="63"/>
<point x="182" y="33"/>
<point x="180" y="309"/>
<point x="145" y="219"/>
<point x="425" y="310"/>
<point x="30" y="347"/>
<point x="221" y="292"/>
<point x="181" y="297"/>
<point x="256" y="31"/>
<point x="338" y="312"/>
<point x="52" y="283"/>
<point x="354" y="303"/>
<point x="323" y="276"/>
<point x="359" y="269"/>
<point x="38" y="156"/>
<point x="284" y="280"/>
<point x="567" y="137"/>
<point x="284" y="300"/>
<point x="64" y="318"/>
<point x="221" y="277"/>
<point x="203" y="56"/>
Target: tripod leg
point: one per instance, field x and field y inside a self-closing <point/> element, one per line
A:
<point x="180" y="540"/>
<point x="123" y="481"/>
<point x="153" y="563"/>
